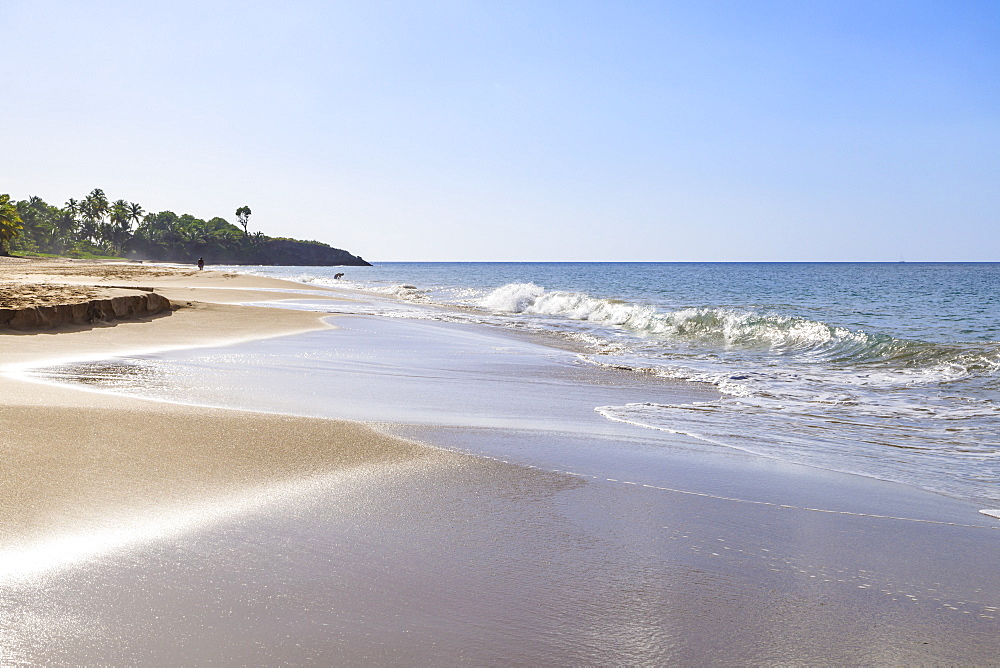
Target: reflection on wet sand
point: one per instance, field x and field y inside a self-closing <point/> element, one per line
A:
<point x="119" y="531"/>
<point x="158" y="533"/>
<point x="108" y="374"/>
<point x="466" y="561"/>
<point x="140" y="532"/>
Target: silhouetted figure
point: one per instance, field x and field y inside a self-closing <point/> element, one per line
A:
<point x="338" y="276"/>
<point x="201" y="263"/>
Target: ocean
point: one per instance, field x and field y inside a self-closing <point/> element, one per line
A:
<point x="889" y="371"/>
<point x="792" y="457"/>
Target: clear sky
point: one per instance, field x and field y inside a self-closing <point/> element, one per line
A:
<point x="701" y="130"/>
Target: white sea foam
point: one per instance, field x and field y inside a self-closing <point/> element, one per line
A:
<point x="728" y="326"/>
<point x="512" y="298"/>
<point x="796" y="387"/>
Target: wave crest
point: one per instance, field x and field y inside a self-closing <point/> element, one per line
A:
<point x="746" y="329"/>
<point x="732" y="327"/>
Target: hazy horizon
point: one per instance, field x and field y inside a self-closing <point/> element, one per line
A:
<point x="477" y="131"/>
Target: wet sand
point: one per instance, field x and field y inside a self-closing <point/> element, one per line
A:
<point x="143" y="532"/>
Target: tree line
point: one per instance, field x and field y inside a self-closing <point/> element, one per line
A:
<point x="95" y="227"/>
<point x="98" y="227"/>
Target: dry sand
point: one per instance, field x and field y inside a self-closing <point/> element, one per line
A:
<point x="88" y="476"/>
<point x="72" y="457"/>
<point x="145" y="533"/>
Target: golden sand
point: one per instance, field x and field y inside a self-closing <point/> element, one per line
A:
<point x="70" y="457"/>
<point x="412" y="555"/>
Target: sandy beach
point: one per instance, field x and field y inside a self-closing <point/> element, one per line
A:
<point x="146" y="532"/>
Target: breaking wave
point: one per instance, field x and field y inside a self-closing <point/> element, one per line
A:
<point x="894" y="377"/>
<point x="749" y="329"/>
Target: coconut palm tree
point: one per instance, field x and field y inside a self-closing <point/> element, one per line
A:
<point x="65" y="226"/>
<point x="88" y="230"/>
<point x="68" y="220"/>
<point x="10" y="223"/>
<point x="88" y="221"/>
<point x="135" y="212"/>
<point x="120" y="226"/>
<point x="93" y="209"/>
<point x="99" y="201"/>
<point x="30" y="211"/>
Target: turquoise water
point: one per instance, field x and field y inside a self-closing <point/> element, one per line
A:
<point x="887" y="370"/>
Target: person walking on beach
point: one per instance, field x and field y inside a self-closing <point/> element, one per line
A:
<point x="201" y="263"/>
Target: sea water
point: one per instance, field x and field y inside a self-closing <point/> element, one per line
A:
<point x="886" y="370"/>
<point x="626" y="375"/>
<point x="889" y="371"/>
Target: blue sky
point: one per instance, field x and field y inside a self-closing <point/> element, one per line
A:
<point x="506" y="130"/>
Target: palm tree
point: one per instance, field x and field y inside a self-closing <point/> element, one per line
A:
<point x="95" y="206"/>
<point x="65" y="225"/>
<point x="135" y="212"/>
<point x="30" y="209"/>
<point x="193" y="235"/>
<point x="88" y="223"/>
<point x="10" y="223"/>
<point x="120" y="227"/>
<point x="100" y="201"/>
<point x="68" y="221"/>
<point x="105" y="236"/>
<point x="31" y="217"/>
<point x="93" y="209"/>
<point x="119" y="211"/>
<point x="88" y="230"/>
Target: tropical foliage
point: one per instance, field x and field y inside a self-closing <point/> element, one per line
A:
<point x="243" y="215"/>
<point x="97" y="227"/>
<point x="10" y="222"/>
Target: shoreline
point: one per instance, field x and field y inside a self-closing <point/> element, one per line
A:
<point x="67" y="414"/>
<point x="206" y="311"/>
<point x="80" y="463"/>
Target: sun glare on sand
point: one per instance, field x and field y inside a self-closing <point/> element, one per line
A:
<point x="42" y="557"/>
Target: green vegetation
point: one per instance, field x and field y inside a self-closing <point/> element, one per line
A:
<point x="10" y="223"/>
<point x="95" y="227"/>
<point x="243" y="215"/>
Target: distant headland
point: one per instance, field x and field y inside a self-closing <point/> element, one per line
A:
<point x="95" y="227"/>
